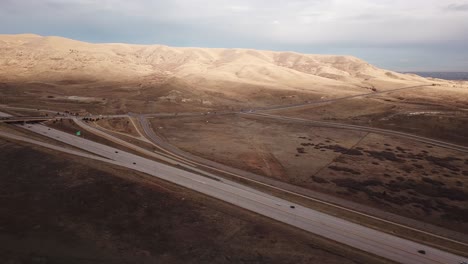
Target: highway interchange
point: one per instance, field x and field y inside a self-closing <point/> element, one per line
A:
<point x="182" y="170"/>
<point x="357" y="236"/>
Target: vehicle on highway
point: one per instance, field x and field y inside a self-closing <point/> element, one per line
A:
<point x="255" y="199"/>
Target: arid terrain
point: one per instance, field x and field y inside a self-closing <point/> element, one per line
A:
<point x="86" y="212"/>
<point x="402" y="176"/>
<point x="63" y="73"/>
<point x="425" y="111"/>
<point x="279" y="115"/>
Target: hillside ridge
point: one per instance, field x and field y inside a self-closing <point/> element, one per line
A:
<point x="37" y="58"/>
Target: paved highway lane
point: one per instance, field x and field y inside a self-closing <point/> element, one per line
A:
<point x="385" y="217"/>
<point x="299" y="105"/>
<point x="331" y="227"/>
<point x="365" y="129"/>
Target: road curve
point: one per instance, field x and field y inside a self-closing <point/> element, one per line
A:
<point x="372" y="241"/>
<point x="344" y="205"/>
<point x="124" y="143"/>
<point x="292" y="106"/>
<point x="434" y="142"/>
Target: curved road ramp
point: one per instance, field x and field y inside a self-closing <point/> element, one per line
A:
<point x="357" y="236"/>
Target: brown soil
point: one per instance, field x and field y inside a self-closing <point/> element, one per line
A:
<point x="423" y="182"/>
<point x="365" y="168"/>
<point x="428" y="116"/>
<point x="262" y="147"/>
<point x="62" y="209"/>
<point x="121" y="125"/>
<point x="108" y="97"/>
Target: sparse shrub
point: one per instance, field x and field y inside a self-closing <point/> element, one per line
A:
<point x="439" y="191"/>
<point x="318" y="179"/>
<point x="453" y="213"/>
<point x="456" y="214"/>
<point x="401" y="149"/>
<point x="384" y="155"/>
<point x="443" y="162"/>
<point x="341" y="160"/>
<point x="407" y="169"/>
<point x="372" y="182"/>
<point x="300" y="150"/>
<point x="351" y="184"/>
<point x="354" y="152"/>
<point x="433" y="182"/>
<point x="395" y="186"/>
<point x="337" y="148"/>
<point x="337" y="168"/>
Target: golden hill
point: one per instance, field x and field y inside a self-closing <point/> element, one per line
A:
<point x="56" y="58"/>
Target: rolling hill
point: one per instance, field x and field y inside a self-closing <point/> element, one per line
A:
<point x="216" y="76"/>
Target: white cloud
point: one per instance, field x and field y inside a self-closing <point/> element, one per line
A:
<point x="302" y="21"/>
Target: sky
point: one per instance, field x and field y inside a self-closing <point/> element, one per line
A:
<point x="402" y="35"/>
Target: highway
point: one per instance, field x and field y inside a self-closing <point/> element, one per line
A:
<point x="354" y="235"/>
<point x="124" y="143"/>
<point x="24" y="119"/>
<point x="365" y="129"/>
<point x="263" y="112"/>
<point x="292" y="106"/>
<point x="390" y="219"/>
<point x="434" y="142"/>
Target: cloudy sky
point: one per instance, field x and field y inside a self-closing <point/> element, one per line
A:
<point x="404" y="35"/>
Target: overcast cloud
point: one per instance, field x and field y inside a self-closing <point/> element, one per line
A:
<point x="395" y="34"/>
